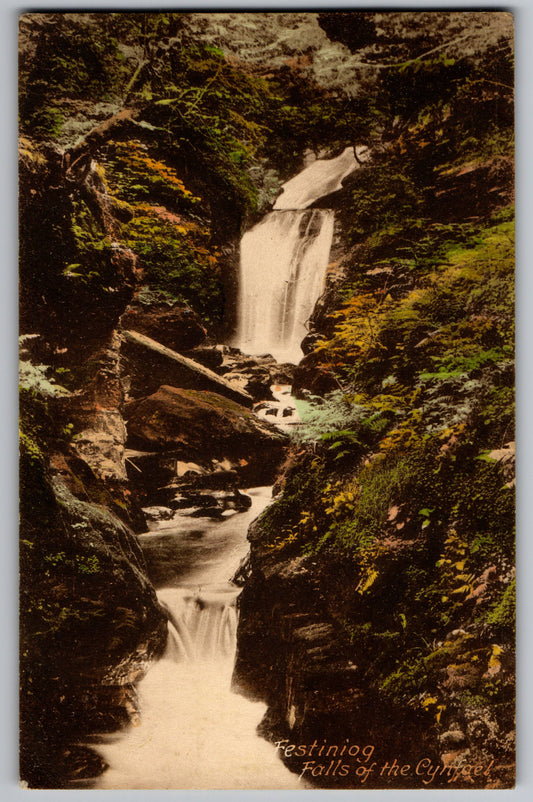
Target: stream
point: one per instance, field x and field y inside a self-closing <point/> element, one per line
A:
<point x="193" y="732"/>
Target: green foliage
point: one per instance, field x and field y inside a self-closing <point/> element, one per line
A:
<point x="451" y="365"/>
<point x="408" y="679"/>
<point x="74" y="57"/>
<point x="457" y="321"/>
<point x="136" y="176"/>
<point x="213" y="116"/>
<point x="503" y="615"/>
<point x="336" y="411"/>
<point x="413" y="86"/>
<point x="46" y="122"/>
<point x="281" y="520"/>
<point x="34" y="379"/>
<point x="388" y="190"/>
<point x="177" y="259"/>
<point x="81" y="563"/>
<point x="90" y="266"/>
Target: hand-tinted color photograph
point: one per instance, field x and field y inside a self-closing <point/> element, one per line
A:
<point x="267" y="400"/>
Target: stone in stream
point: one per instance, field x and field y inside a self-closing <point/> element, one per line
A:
<point x="207" y="512"/>
<point x="203" y="426"/>
<point x="254" y="374"/>
<point x="158" y="513"/>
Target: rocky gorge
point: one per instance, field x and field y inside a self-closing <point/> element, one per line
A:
<point x="376" y="616"/>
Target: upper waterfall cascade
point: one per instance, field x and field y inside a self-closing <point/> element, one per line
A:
<point x="320" y="178"/>
<point x="284" y="259"/>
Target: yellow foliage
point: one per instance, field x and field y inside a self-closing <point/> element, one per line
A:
<point x="342" y="502"/>
<point x="29" y="154"/>
<point x="367" y="581"/>
<point x="399" y="439"/>
<point x="429" y="702"/>
<point x="135" y="157"/>
<point x="359" y="325"/>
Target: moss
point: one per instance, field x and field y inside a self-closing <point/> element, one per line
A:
<point x="282" y="520"/>
<point x="177" y="258"/>
<point x="502" y="616"/>
<point x="407" y="680"/>
<point x="46" y="123"/>
<point x="219" y="401"/>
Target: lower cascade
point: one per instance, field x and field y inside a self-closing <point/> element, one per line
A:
<point x="202" y="626"/>
<point x="193" y="732"/>
<point x="282" y="267"/>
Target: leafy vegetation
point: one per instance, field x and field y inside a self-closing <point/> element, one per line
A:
<point x="177" y="259"/>
<point x="408" y="466"/>
<point x="401" y="480"/>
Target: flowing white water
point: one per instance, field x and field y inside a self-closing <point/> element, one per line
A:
<point x="320" y="178"/>
<point x="284" y="259"/>
<point x="283" y="262"/>
<point x="194" y="733"/>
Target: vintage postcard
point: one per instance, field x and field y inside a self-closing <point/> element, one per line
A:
<point x="267" y="400"/>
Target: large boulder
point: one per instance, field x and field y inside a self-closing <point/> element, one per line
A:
<point x="203" y="427"/>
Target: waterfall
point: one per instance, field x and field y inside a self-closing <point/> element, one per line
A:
<point x="201" y="625"/>
<point x="283" y="262"/>
<point x="193" y="731"/>
<point x="320" y="178"/>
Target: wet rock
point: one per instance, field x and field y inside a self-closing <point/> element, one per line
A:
<point x="158" y="513"/>
<point x="452" y="739"/>
<point x="200" y="426"/>
<point x="243" y="572"/>
<point x="216" y="480"/>
<point x="255" y="374"/>
<point x="98" y="430"/>
<point x="189" y="469"/>
<point x="207" y="512"/>
<point x="147" y="472"/>
<point x="90" y="624"/>
<point x="313" y="376"/>
<point x="182" y="502"/>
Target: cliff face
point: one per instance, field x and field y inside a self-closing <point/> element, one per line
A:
<point x="133" y="191"/>
<point x="340" y="50"/>
<point x="90" y="621"/>
<point x="380" y="606"/>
